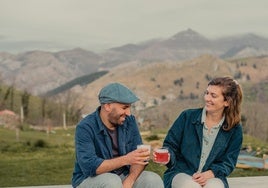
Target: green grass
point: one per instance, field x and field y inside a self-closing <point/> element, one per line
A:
<point x="41" y="159"/>
<point x="40" y="167"/>
<point x="37" y="158"/>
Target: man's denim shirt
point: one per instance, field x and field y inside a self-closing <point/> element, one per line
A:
<point x="93" y="144"/>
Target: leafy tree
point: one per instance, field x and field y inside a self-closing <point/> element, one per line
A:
<point x="25" y="99"/>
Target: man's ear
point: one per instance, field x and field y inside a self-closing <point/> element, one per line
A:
<point x="107" y="107"/>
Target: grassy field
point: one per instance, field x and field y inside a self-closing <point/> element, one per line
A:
<point x="38" y="158"/>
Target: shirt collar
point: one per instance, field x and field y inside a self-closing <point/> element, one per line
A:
<point x="203" y="119"/>
<point x="100" y="124"/>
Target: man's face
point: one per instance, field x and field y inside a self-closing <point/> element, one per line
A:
<point x="118" y="113"/>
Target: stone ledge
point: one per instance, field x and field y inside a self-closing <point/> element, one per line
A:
<point x="235" y="182"/>
<point x="248" y="182"/>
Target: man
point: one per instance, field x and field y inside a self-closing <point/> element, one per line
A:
<point x="106" y="142"/>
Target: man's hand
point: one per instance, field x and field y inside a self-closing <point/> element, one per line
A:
<point x="139" y="156"/>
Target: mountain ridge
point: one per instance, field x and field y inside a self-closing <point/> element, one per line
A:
<point x="40" y="71"/>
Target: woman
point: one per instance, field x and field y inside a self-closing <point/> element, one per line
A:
<point x="204" y="143"/>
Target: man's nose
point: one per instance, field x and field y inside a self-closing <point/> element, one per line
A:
<point x="127" y="112"/>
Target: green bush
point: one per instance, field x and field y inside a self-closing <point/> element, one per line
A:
<point x="152" y="137"/>
<point x="40" y="143"/>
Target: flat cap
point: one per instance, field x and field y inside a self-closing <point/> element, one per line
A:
<point x="116" y="92"/>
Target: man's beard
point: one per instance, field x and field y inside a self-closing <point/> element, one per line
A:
<point x="114" y="118"/>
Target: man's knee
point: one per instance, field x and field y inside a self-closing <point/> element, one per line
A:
<point x="106" y="180"/>
<point x="111" y="180"/>
<point x="153" y="177"/>
<point x="149" y="180"/>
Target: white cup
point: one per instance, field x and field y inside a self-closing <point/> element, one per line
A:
<point x="146" y="146"/>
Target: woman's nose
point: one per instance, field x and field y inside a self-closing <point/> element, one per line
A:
<point x="206" y="97"/>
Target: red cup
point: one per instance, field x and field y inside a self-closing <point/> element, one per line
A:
<point x="161" y="155"/>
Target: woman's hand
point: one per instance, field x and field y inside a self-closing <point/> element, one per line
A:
<point x="202" y="177"/>
<point x="155" y="158"/>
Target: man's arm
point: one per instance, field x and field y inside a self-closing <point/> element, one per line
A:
<point x="136" y="157"/>
<point x="135" y="171"/>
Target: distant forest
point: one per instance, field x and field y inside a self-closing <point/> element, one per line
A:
<point x="41" y="111"/>
<point x="83" y="80"/>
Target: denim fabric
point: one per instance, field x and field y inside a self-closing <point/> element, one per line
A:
<point x="184" y="141"/>
<point x="93" y="145"/>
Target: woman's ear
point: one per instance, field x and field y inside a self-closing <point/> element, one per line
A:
<point x="226" y="103"/>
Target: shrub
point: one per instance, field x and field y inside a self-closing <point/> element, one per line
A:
<point x="152" y="137"/>
<point x="40" y="143"/>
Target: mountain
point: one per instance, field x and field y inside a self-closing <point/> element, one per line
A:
<point x="247" y="45"/>
<point x="39" y="71"/>
<point x="119" y="55"/>
<point x="80" y="60"/>
<point x="250" y="39"/>
<point x="188" y="39"/>
<point x="183" y="45"/>
<point x="167" y="88"/>
<point x="172" y="80"/>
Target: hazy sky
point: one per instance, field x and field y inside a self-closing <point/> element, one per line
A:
<point x="101" y="24"/>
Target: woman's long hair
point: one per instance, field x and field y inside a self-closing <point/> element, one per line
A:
<point x="232" y="93"/>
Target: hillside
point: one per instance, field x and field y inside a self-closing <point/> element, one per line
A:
<point x="30" y="70"/>
<point x="83" y="80"/>
<point x="153" y="81"/>
<point x="40" y="71"/>
<point x="165" y="89"/>
<point x="168" y="74"/>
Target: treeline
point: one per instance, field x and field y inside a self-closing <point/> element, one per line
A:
<point x="47" y="110"/>
<point x="83" y="80"/>
<point x="33" y="110"/>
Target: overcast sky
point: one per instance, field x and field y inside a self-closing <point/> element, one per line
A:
<point x="101" y="24"/>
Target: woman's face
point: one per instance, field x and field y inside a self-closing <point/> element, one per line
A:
<point x="214" y="99"/>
